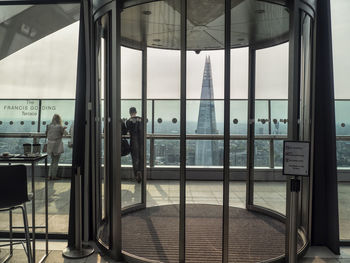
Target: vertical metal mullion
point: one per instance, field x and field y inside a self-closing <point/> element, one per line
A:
<point x="115" y="152"/>
<point x="96" y="162"/>
<point x="92" y="125"/>
<point x="39" y="116"/>
<point x="182" y="232"/>
<point x="293" y="125"/>
<point x="144" y="123"/>
<point x="87" y="172"/>
<point x="107" y="111"/>
<point x="227" y="92"/>
<point x="272" y="161"/>
<point x="251" y="129"/>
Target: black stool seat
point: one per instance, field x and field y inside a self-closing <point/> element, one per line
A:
<point x="13" y="195"/>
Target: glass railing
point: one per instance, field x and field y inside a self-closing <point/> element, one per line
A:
<point x="24" y="121"/>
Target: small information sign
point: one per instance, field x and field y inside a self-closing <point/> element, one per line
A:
<point x="296" y="158"/>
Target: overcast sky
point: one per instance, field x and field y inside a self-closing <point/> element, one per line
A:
<point x="47" y="68"/>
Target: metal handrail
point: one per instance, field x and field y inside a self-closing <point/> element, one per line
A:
<point x="159" y="136"/>
<point x="174" y="136"/>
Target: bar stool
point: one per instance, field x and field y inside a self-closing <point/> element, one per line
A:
<point x="14" y="195"/>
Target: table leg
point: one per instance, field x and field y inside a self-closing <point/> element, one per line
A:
<point x="46" y="210"/>
<point x="33" y="212"/>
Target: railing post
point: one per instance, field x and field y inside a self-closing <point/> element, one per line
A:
<point x="272" y="153"/>
<point x="151" y="144"/>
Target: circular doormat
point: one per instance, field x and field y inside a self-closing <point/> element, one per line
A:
<point x="153" y="234"/>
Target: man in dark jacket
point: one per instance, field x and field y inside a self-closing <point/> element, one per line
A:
<point x="134" y="126"/>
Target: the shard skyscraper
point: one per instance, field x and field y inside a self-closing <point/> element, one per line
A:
<point x="207" y="152"/>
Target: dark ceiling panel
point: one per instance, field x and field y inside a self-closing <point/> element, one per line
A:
<point x="33" y="24"/>
<point x="254" y="22"/>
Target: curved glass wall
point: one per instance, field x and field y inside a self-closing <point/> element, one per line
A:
<point x="183" y="110"/>
<point x="271" y="121"/>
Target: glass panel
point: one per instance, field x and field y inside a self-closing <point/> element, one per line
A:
<point x="341" y="65"/>
<point x="131" y="115"/>
<point x="194" y="107"/>
<point x="238" y="127"/>
<point x="163" y="188"/>
<point x="238" y="120"/>
<point x="262" y="153"/>
<point x="278" y="154"/>
<point x="38" y="61"/>
<point x="204" y="117"/>
<point x="64" y="108"/>
<point x="279" y="117"/>
<point x="19" y="116"/>
<point x="167" y="116"/>
<point x="342" y="118"/>
<point x="166" y="153"/>
<point x="261" y="117"/>
<point x="271" y="113"/>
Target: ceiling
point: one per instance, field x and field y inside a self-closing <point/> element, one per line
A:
<point x="157" y="23"/>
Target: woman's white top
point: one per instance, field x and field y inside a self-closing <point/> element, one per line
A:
<point x="54" y="139"/>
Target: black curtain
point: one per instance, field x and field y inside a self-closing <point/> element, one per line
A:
<point x="325" y="221"/>
<point x="79" y="124"/>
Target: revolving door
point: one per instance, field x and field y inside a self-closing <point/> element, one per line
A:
<point x="204" y="183"/>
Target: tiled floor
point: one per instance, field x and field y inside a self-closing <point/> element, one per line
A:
<point x="314" y="254"/>
<point x="268" y="194"/>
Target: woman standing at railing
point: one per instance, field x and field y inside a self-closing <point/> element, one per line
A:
<point x="54" y="132"/>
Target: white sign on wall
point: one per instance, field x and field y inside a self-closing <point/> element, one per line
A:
<point x="296" y="158"/>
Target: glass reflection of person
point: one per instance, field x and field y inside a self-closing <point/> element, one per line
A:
<point x="134" y="128"/>
<point x="55" y="131"/>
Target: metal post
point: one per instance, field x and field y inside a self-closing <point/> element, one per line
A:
<point x="182" y="232"/>
<point x="251" y="129"/>
<point x="46" y="210"/>
<point x="114" y="153"/>
<point x="79" y="251"/>
<point x="295" y="189"/>
<point x="293" y="127"/>
<point x="144" y="123"/>
<point x="227" y="92"/>
<point x="272" y="160"/>
<point x="33" y="210"/>
<point x="87" y="185"/>
<point x="151" y="150"/>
